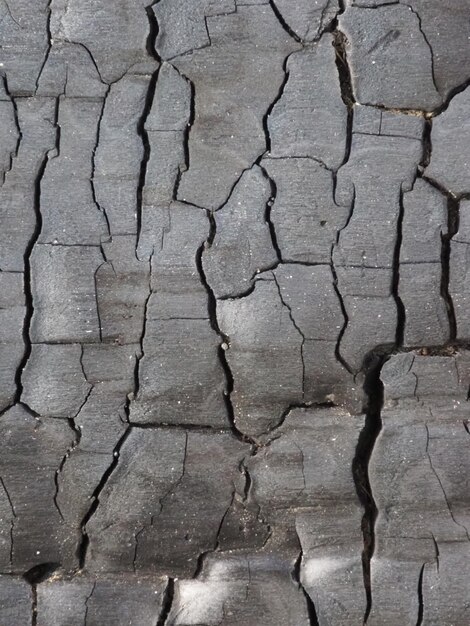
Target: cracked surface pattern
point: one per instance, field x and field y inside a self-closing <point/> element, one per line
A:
<point x="234" y="295"/>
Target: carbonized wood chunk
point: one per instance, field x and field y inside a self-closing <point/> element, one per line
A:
<point x="15" y="601"/>
<point x="31" y="450"/>
<point x="177" y="289"/>
<point x="54" y="384"/>
<point x="307" y="19"/>
<point x="424" y="224"/>
<point x="240" y="590"/>
<point x="246" y="57"/>
<point x="459" y="279"/>
<point x="390" y="59"/>
<point x="450" y="146"/>
<point x="12" y="313"/>
<point x="447" y="30"/>
<point x="372" y="322"/>
<point x="108" y="601"/>
<point x="315" y="309"/>
<point x="119" y="153"/>
<point x="264" y="354"/>
<point x="23" y="43"/>
<point x="289" y="481"/>
<point x="417" y="473"/>
<point x="166" y="162"/>
<point x="380" y="167"/>
<point x="410" y="376"/>
<point x="18" y="192"/>
<point x="305" y="217"/>
<point x="242" y="246"/>
<point x="181" y="377"/>
<point x="445" y="597"/>
<point x="69" y="212"/>
<point x="426" y="315"/>
<point x="183" y="25"/>
<point x="70" y="72"/>
<point x="116" y="39"/>
<point x="367" y="282"/>
<point x="164" y="503"/>
<point x="63" y="286"/>
<point x="171" y="106"/>
<point x="122" y="288"/>
<point x="310" y="118"/>
<point x="99" y="425"/>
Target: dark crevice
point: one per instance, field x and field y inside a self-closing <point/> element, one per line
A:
<point x="143" y="134"/>
<point x="373" y="389"/>
<point x="84" y="542"/>
<point x="34" y="605"/>
<point x="344" y="72"/>
<point x="141" y="130"/>
<point x="187" y="130"/>
<point x="296" y="577"/>
<point x="272" y="105"/>
<point x="427" y="143"/>
<point x="436" y="550"/>
<point x="453" y="216"/>
<point x="40" y="573"/>
<point x="140" y="356"/>
<point x="267" y="216"/>
<point x="225" y="341"/>
<point x="401" y="313"/>
<point x="452" y="229"/>
<point x="419" y="621"/>
<point x="283" y="23"/>
<point x="167" y="602"/>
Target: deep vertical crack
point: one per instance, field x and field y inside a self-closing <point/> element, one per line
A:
<point x="28" y="291"/>
<point x="85" y="540"/>
<point x="373" y="389"/>
<point x="225" y="341"/>
<point x="34" y="605"/>
<point x="296" y="577"/>
<point x="401" y="314"/>
<point x="167" y="602"/>
<point x="285" y="26"/>
<point x="347" y="96"/>
<point x="141" y="130"/>
<point x="452" y="229"/>
<point x="419" y="620"/>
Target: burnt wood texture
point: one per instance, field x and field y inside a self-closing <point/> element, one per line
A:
<point x="235" y="305"/>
